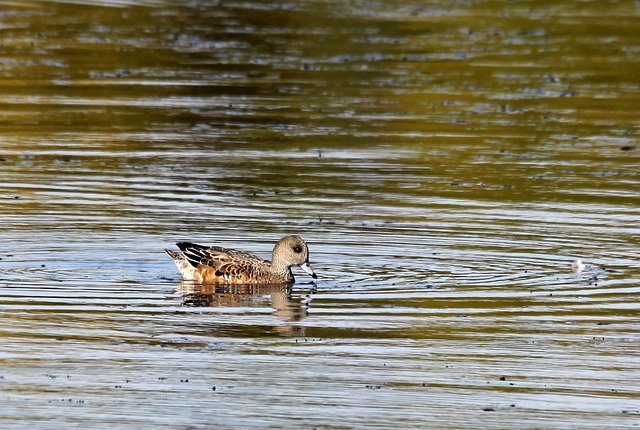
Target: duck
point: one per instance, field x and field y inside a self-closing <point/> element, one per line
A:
<point x="217" y="265"/>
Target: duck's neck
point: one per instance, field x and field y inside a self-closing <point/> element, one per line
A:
<point x="282" y="269"/>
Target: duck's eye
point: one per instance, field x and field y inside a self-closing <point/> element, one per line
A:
<point x="297" y="249"/>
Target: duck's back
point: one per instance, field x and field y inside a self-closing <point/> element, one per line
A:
<point x="214" y="264"/>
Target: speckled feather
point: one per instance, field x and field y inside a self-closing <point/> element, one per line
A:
<point x="230" y="265"/>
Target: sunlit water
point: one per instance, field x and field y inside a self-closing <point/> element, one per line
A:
<point x="447" y="164"/>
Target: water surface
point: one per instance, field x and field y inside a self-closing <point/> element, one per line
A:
<point x="447" y="163"/>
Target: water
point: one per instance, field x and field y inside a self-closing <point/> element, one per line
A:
<point x="446" y="164"/>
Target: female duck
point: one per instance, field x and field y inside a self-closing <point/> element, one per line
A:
<point x="216" y="265"/>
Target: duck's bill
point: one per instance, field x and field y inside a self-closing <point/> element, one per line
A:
<point x="307" y="268"/>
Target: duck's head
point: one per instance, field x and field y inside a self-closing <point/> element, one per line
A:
<point x="292" y="251"/>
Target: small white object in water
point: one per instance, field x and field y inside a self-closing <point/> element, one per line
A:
<point x="578" y="266"/>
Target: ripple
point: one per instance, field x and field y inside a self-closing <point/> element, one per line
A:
<point x="445" y="178"/>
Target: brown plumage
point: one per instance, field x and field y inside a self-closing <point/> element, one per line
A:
<point x="216" y="265"/>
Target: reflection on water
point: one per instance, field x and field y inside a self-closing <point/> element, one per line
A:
<point x="289" y="308"/>
<point x="447" y="162"/>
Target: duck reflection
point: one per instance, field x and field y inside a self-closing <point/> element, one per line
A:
<point x="289" y="305"/>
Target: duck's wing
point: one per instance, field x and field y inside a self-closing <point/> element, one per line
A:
<point x="218" y="257"/>
<point x="213" y="264"/>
